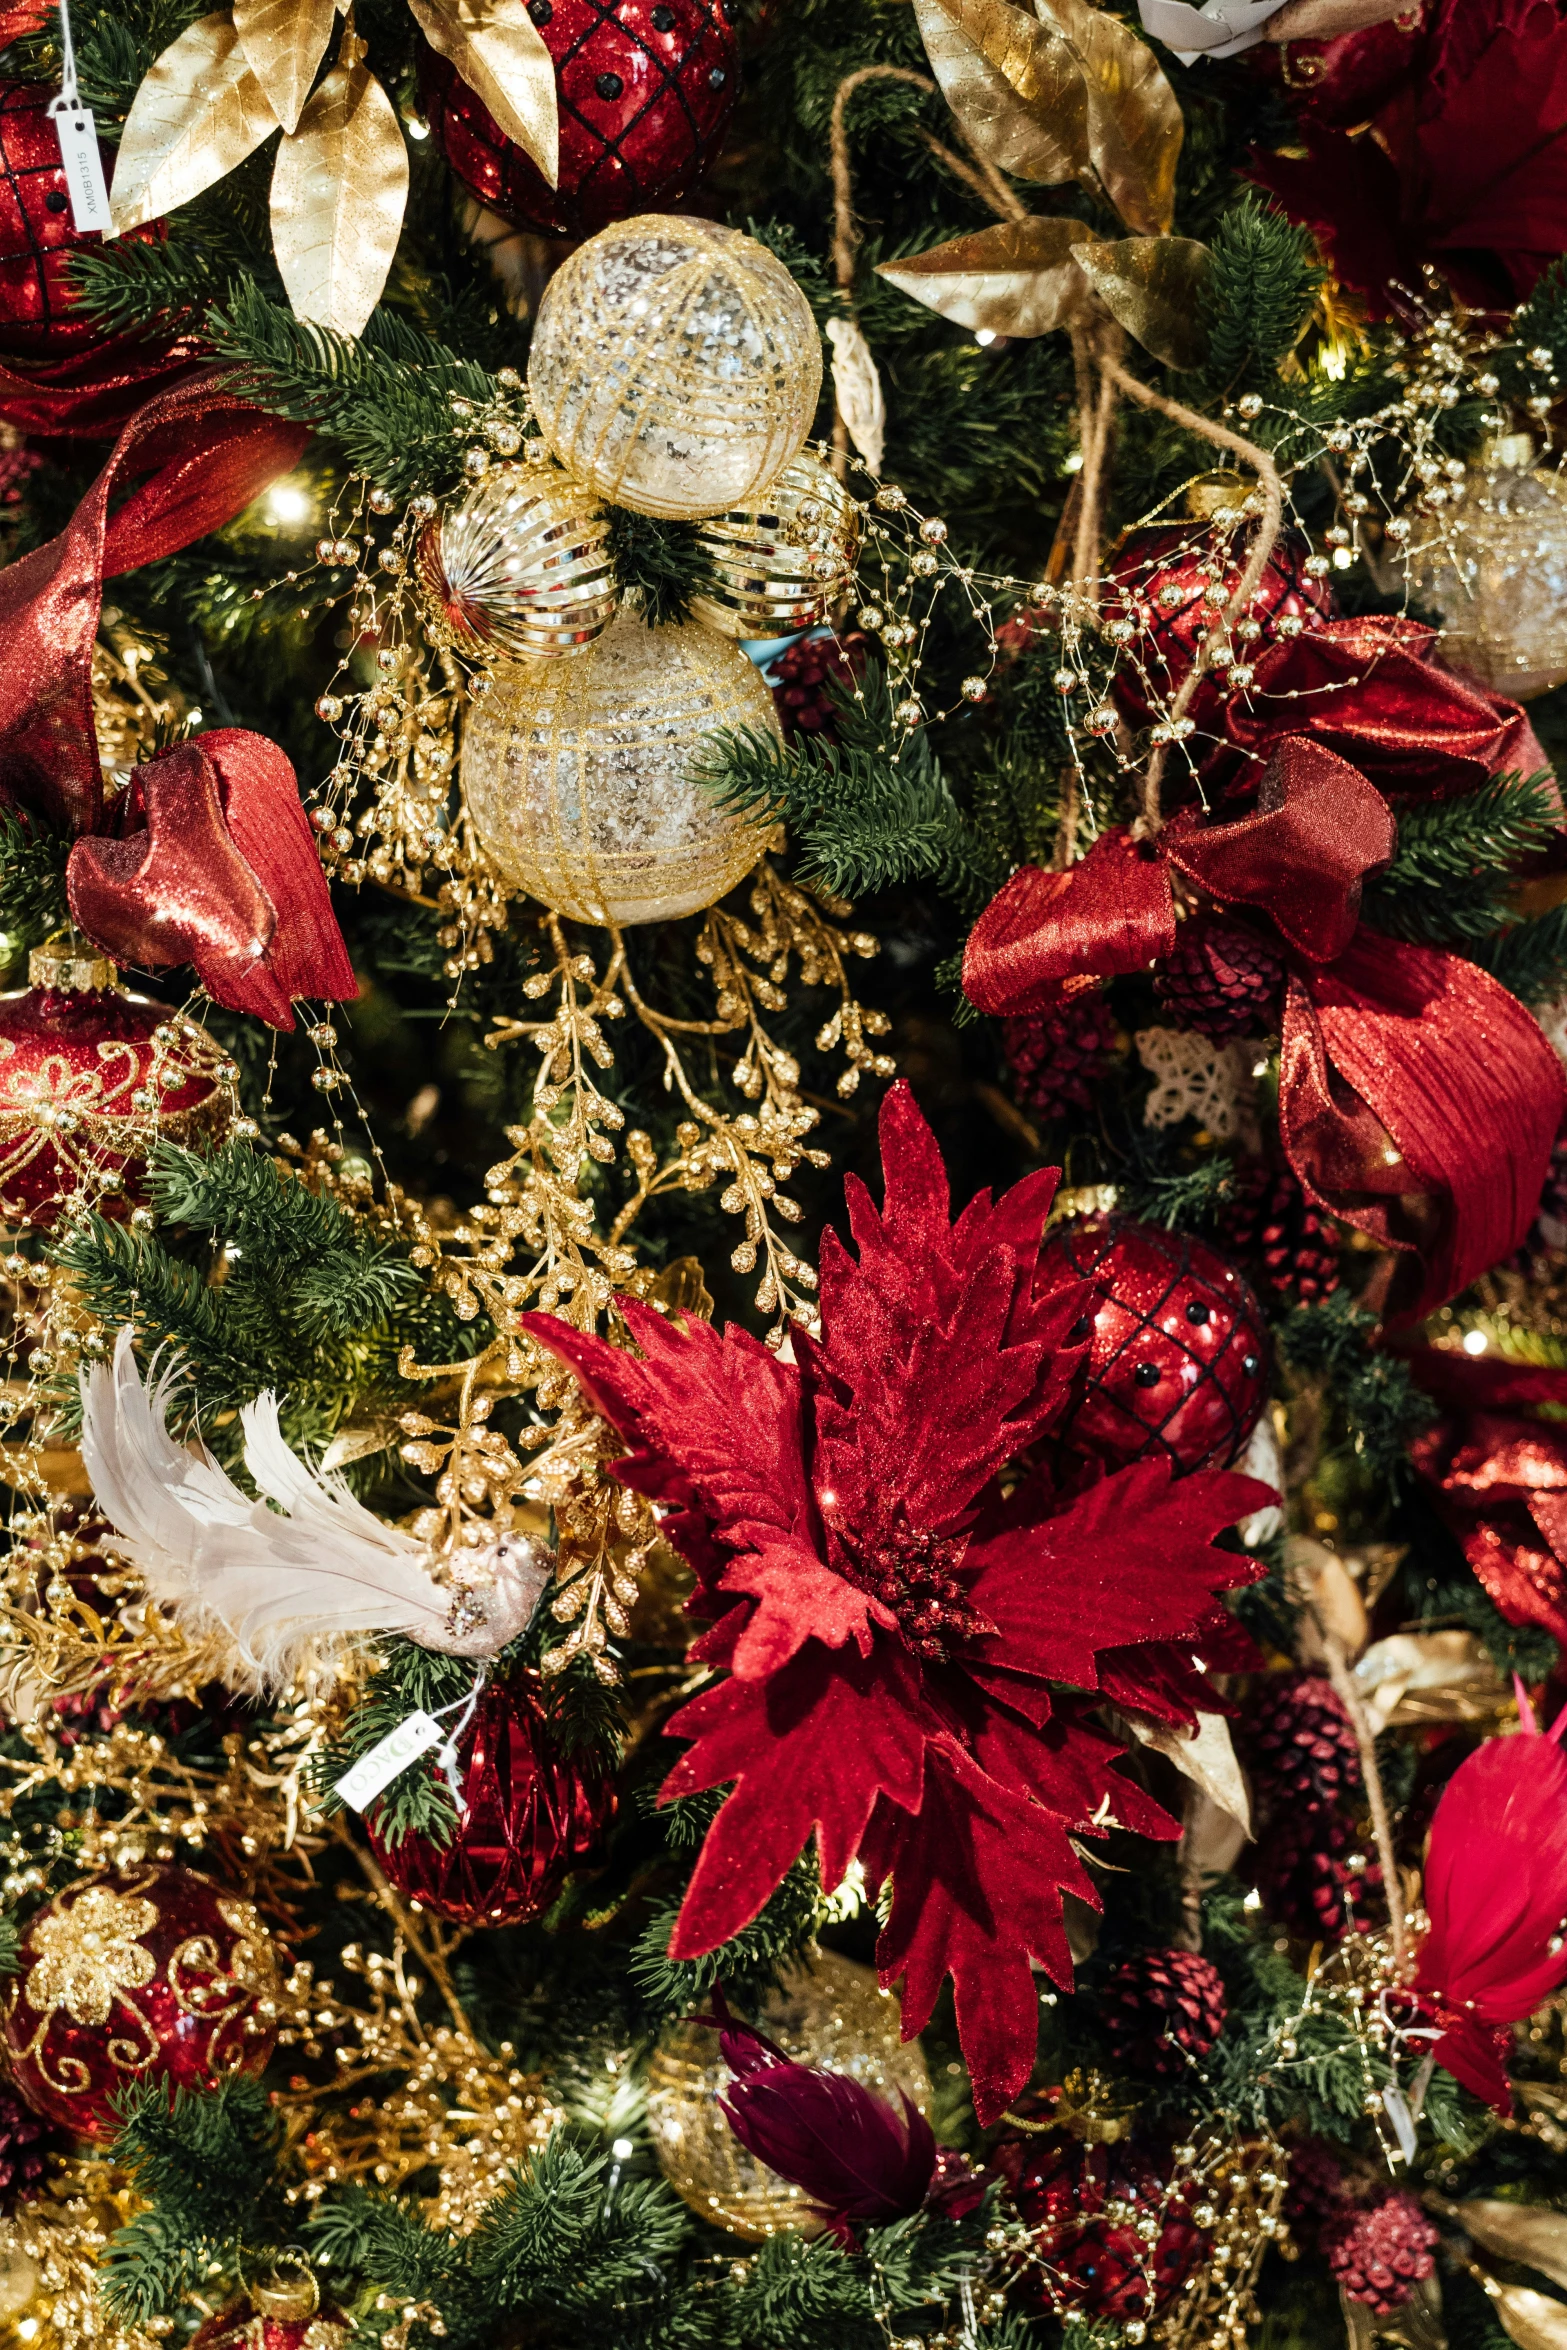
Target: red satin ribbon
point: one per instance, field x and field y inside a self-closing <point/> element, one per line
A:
<point x="208" y="857"/>
<point x="1418" y="1100"/>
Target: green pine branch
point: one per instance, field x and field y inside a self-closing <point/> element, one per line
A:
<point x="1375" y="1393"/>
<point x="662" y="563"/>
<point x="32" y="879"/>
<point x="1449" y="882"/>
<point x="1530" y="958"/>
<point x="206" y="2161"/>
<point x="748" y="1967"/>
<point x="1262" y="282"/>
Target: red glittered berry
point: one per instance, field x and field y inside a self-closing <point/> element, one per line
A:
<point x="1058" y="1057"/>
<point x="804" y="679"/>
<point x="1221" y="979"/>
<point x="1163" y="2010"/>
<point x="1301" y="1747"/>
<point x="646" y="89"/>
<point x="1379" y="2256"/>
<point x="1177" y="1349"/>
<point x="40" y="310"/>
<point x="528" y="1815"/>
<point x="1288" y="1242"/>
<point x="1173" y="585"/>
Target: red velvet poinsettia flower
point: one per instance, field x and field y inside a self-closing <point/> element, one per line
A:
<point x="892" y="1626"/>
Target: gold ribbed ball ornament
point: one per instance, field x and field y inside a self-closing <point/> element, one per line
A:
<point x="675" y="366"/>
<point x="521" y="567"/>
<point x="1496" y="570"/>
<point x="830" y="2013"/>
<point x="577" y="774"/>
<point x="775" y="566"/>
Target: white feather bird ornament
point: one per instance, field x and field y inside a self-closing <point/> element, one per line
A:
<point x="279" y="1581"/>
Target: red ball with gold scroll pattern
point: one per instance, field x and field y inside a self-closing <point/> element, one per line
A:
<point x="646" y="89"/>
<point x="1178" y="1349"/>
<point x="41" y="313"/>
<point x="152" y="1974"/>
<point x="528" y="1815"/>
<point x="90" y="1079"/>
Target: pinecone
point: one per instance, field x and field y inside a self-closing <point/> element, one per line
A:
<point x="1272" y="1222"/>
<point x="1379" y="2256"/>
<point x="802" y="676"/>
<point x="1316" y="2196"/>
<point x="1058" y="1057"/>
<point x="1322" y="1888"/>
<point x="26" y="2141"/>
<point x="1163" y="2009"/>
<point x="1302" y="1748"/>
<point x="1220" y="979"/>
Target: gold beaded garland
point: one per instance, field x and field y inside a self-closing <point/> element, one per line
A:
<point x="775" y="566"/>
<point x="675" y="366"/>
<point x="830" y="2013"/>
<point x="577" y="774"/>
<point x="521" y="566"/>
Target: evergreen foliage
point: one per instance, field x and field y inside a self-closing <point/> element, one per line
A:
<point x="32" y="880"/>
<point x="661" y="563"/>
<point x="1450" y="880"/>
<point x="205" y="2160"/>
<point x="1375" y="1393"/>
<point x="1262" y="282"/>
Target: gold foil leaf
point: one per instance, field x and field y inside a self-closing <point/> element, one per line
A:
<point x="199" y="112"/>
<point x="1328" y="20"/>
<point x="1207" y="1758"/>
<point x="1012" y="82"/>
<point x="1530" y="2232"/>
<point x="1135" y="126"/>
<point x="1014" y="279"/>
<point x="284" y="41"/>
<point x="338" y="195"/>
<point x="1151" y="285"/>
<point x="857" y="390"/>
<point x="499" y="51"/>
<point x="1534" y="2320"/>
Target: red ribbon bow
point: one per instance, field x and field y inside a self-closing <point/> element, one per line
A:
<point x="1418" y="1099"/>
<point x="207" y="858"/>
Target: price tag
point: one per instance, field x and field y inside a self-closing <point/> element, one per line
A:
<point x="83" y="164"/>
<point x="385" y="1762"/>
<point x="1402" y="2119"/>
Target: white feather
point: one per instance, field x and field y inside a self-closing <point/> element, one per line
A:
<point x="278" y="1579"/>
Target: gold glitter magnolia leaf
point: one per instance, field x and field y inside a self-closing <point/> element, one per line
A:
<point x="89" y="1952"/>
<point x="1529" y="2232"/>
<point x="284" y="42"/>
<point x="338" y="196"/>
<point x="1017" y="278"/>
<point x="1013" y="84"/>
<point x="1207" y="1759"/>
<point x="499" y="51"/>
<point x="1151" y="285"/>
<point x="1533" y="2320"/>
<point x="1135" y="126"/>
<point x="199" y="112"/>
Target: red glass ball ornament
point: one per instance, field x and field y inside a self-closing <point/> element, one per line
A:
<point x="646" y="89"/>
<point x="154" y="1974"/>
<point x="40" y="310"/>
<point x="1178" y="1349"/>
<point x="1158" y="584"/>
<point x="528" y="1814"/>
<point x="1086" y="2265"/>
<point x="87" y="1087"/>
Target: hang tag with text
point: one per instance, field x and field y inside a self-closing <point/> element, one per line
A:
<point x="386" y="1761"/>
<point x="83" y="164"/>
<point x="1402" y="2119"/>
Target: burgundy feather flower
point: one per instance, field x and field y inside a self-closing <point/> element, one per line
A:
<point x="860" y="2161"/>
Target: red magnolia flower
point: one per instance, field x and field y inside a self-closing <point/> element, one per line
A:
<point x="1496" y="1893"/>
<point x="891" y="1625"/>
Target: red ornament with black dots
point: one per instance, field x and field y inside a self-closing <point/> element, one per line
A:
<point x="529" y="1815"/>
<point x="41" y="316"/>
<point x="1177" y="1348"/>
<point x="646" y="89"/>
<point x="1160" y="586"/>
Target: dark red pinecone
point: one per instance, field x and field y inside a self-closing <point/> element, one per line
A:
<point x="1163" y="2009"/>
<point x="1379" y="2256"/>
<point x="1323" y="1883"/>
<point x="26" y="2142"/>
<point x="1302" y="1749"/>
<point x="802" y="676"/>
<point x="1058" y="1057"/>
<point x="1289" y="1243"/>
<point x="1220" y="979"/>
<point x="1316" y="2196"/>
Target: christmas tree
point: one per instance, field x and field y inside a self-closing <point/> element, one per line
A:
<point x="785" y="1253"/>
